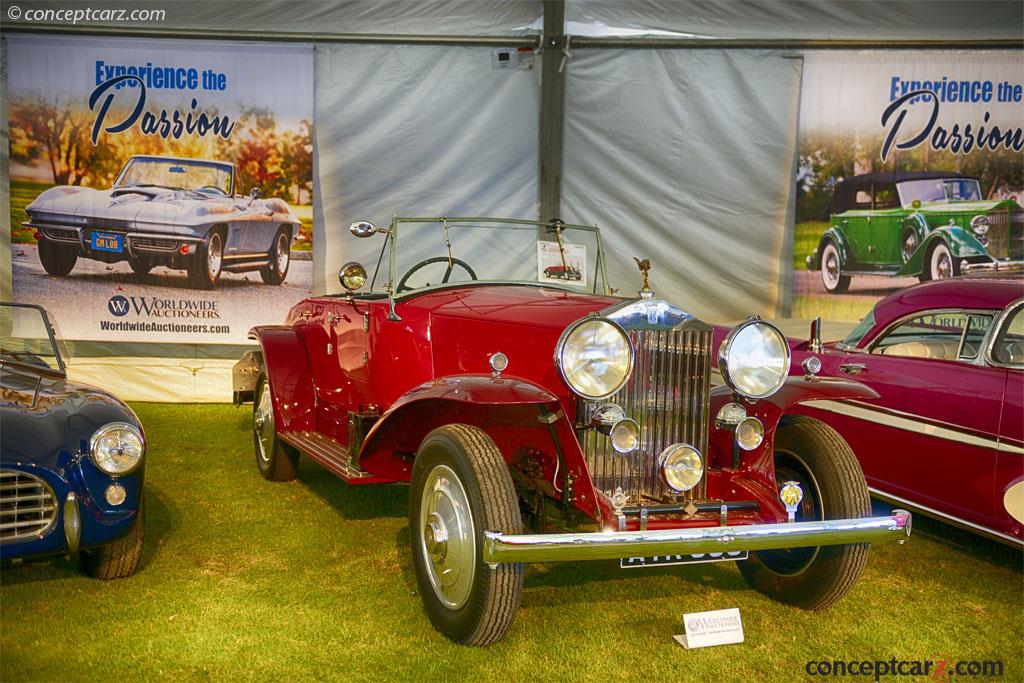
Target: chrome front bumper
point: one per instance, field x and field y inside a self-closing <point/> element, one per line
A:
<point x="989" y="267"/>
<point x="612" y="545"/>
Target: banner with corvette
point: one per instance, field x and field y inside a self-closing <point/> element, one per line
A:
<point x="909" y="169"/>
<point x="161" y="191"/>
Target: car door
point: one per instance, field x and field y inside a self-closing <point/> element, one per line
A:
<point x="1007" y="350"/>
<point x="883" y="228"/>
<point x="855" y="225"/>
<point x="931" y="438"/>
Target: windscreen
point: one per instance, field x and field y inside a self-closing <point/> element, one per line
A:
<point x="25" y="337"/>
<point x="182" y="174"/>
<point x="939" y="190"/>
<point x="493" y="252"/>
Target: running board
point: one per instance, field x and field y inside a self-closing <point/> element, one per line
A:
<point x="329" y="453"/>
<point x="241" y="267"/>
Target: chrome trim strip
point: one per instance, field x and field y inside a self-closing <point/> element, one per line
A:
<point x="911" y="423"/>
<point x="613" y="545"/>
<point x="942" y="516"/>
<point x="1001" y="320"/>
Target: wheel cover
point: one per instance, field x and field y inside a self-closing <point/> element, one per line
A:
<point x="282" y="253"/>
<point x="214" y="254"/>
<point x="830" y="269"/>
<point x="447" y="539"/>
<point x="793" y="561"/>
<point x="263" y="425"/>
<point x="942" y="264"/>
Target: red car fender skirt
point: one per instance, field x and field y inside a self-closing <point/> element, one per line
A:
<point x="291" y="382"/>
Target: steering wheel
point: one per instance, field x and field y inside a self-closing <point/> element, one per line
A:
<point x="211" y="187"/>
<point x="437" y="259"/>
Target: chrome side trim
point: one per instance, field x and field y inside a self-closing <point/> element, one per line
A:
<point x="912" y="423"/>
<point x="942" y="516"/>
<point x="613" y="545"/>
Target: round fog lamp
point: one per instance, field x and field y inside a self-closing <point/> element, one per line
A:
<point x="625" y="435"/>
<point x="681" y="466"/>
<point x="749" y="433"/>
<point x="731" y="414"/>
<point x="979" y="224"/>
<point x="115" y="494"/>
<point x="352" y="276"/>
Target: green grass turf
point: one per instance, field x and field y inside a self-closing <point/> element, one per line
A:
<point x="806" y="236"/>
<point x="246" y="579"/>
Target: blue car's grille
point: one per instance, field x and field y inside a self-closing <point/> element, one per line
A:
<point x="28" y="507"/>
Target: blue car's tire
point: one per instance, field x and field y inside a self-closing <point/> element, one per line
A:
<point x="118" y="559"/>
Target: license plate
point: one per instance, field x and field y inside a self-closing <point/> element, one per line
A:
<point x="665" y="560"/>
<point x="107" y="241"/>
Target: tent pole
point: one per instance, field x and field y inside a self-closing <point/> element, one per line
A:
<point x="552" y="108"/>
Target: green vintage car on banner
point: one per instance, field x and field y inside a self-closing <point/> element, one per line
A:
<point x="929" y="224"/>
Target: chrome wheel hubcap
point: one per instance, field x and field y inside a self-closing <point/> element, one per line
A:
<point x="943" y="266"/>
<point x="263" y="424"/>
<point x="447" y="544"/>
<point x="282" y="253"/>
<point x="214" y="254"/>
<point x="830" y="272"/>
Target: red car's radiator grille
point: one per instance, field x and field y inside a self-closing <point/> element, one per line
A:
<point x="1006" y="234"/>
<point x="667" y="395"/>
<point x="27" y="506"/>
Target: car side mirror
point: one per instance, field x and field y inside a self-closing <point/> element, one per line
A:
<point x="254" y="194"/>
<point x="814" y="343"/>
<point x="364" y="229"/>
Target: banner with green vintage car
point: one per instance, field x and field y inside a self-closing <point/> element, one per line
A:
<point x="910" y="169"/>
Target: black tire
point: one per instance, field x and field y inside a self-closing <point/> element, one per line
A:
<point x="140" y="265"/>
<point x="832" y="278"/>
<point x="121" y="558"/>
<point x="464" y="458"/>
<point x="818" y="458"/>
<point x="276" y="460"/>
<point x="56" y="259"/>
<point x="205" y="266"/>
<point x="280" y="259"/>
<point x="939" y="263"/>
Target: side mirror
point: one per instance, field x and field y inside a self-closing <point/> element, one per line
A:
<point x="364" y="229"/>
<point x="814" y="343"/>
<point x="254" y="193"/>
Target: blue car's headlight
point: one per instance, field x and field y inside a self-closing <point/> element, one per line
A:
<point x="117" y="448"/>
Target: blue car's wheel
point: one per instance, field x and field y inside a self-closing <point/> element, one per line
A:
<point x="280" y="258"/>
<point x="118" y="559"/>
<point x="205" y="265"/>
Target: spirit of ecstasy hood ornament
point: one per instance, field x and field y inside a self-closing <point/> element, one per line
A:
<point x="645" y="268"/>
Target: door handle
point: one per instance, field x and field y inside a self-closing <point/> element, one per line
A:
<point x="306" y="314"/>
<point x="853" y="368"/>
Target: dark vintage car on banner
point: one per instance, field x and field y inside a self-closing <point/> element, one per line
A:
<point x="71" y="457"/>
<point x="544" y="422"/>
<point x="928" y="224"/>
<point x="166" y="211"/>
<point x="946" y="435"/>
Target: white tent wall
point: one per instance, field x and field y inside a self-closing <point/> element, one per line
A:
<point x="897" y="20"/>
<point x="439" y="132"/>
<point x="686" y="157"/>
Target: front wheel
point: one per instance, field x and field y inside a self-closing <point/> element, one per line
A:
<point x="832" y="270"/>
<point x="460" y="488"/>
<point x="815" y="456"/>
<point x="276" y="460"/>
<point x="56" y="259"/>
<point x="941" y="264"/>
<point x="280" y="257"/>
<point x="205" y="265"/>
<point x="118" y="559"/>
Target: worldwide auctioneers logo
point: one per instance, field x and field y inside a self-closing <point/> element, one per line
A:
<point x="934" y="669"/>
<point x="149" y="307"/>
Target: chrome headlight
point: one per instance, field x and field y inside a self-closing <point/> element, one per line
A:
<point x="595" y="357"/>
<point x="681" y="466"/>
<point x="754" y="359"/>
<point x="979" y="224"/>
<point x="117" y="448"/>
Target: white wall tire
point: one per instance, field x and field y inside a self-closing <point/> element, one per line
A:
<point x="832" y="276"/>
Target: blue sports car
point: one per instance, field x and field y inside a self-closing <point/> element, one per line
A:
<point x="72" y="457"/>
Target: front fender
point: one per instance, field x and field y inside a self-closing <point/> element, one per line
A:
<point x="961" y="243"/>
<point x="291" y="383"/>
<point x="833" y="234"/>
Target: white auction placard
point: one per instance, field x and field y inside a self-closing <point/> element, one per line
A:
<point x="718" y="627"/>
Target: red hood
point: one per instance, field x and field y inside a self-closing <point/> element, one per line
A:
<point x="512" y="304"/>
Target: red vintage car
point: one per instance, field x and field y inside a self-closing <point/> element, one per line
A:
<point x="540" y="422"/>
<point x="946" y="434"/>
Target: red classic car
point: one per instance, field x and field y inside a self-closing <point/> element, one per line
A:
<point x="946" y="435"/>
<point x="541" y="421"/>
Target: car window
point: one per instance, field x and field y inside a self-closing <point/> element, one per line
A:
<point x="1009" y="344"/>
<point x="974" y="335"/>
<point x="851" y="340"/>
<point x="885" y="197"/>
<point x="862" y="200"/>
<point x="934" y="335"/>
